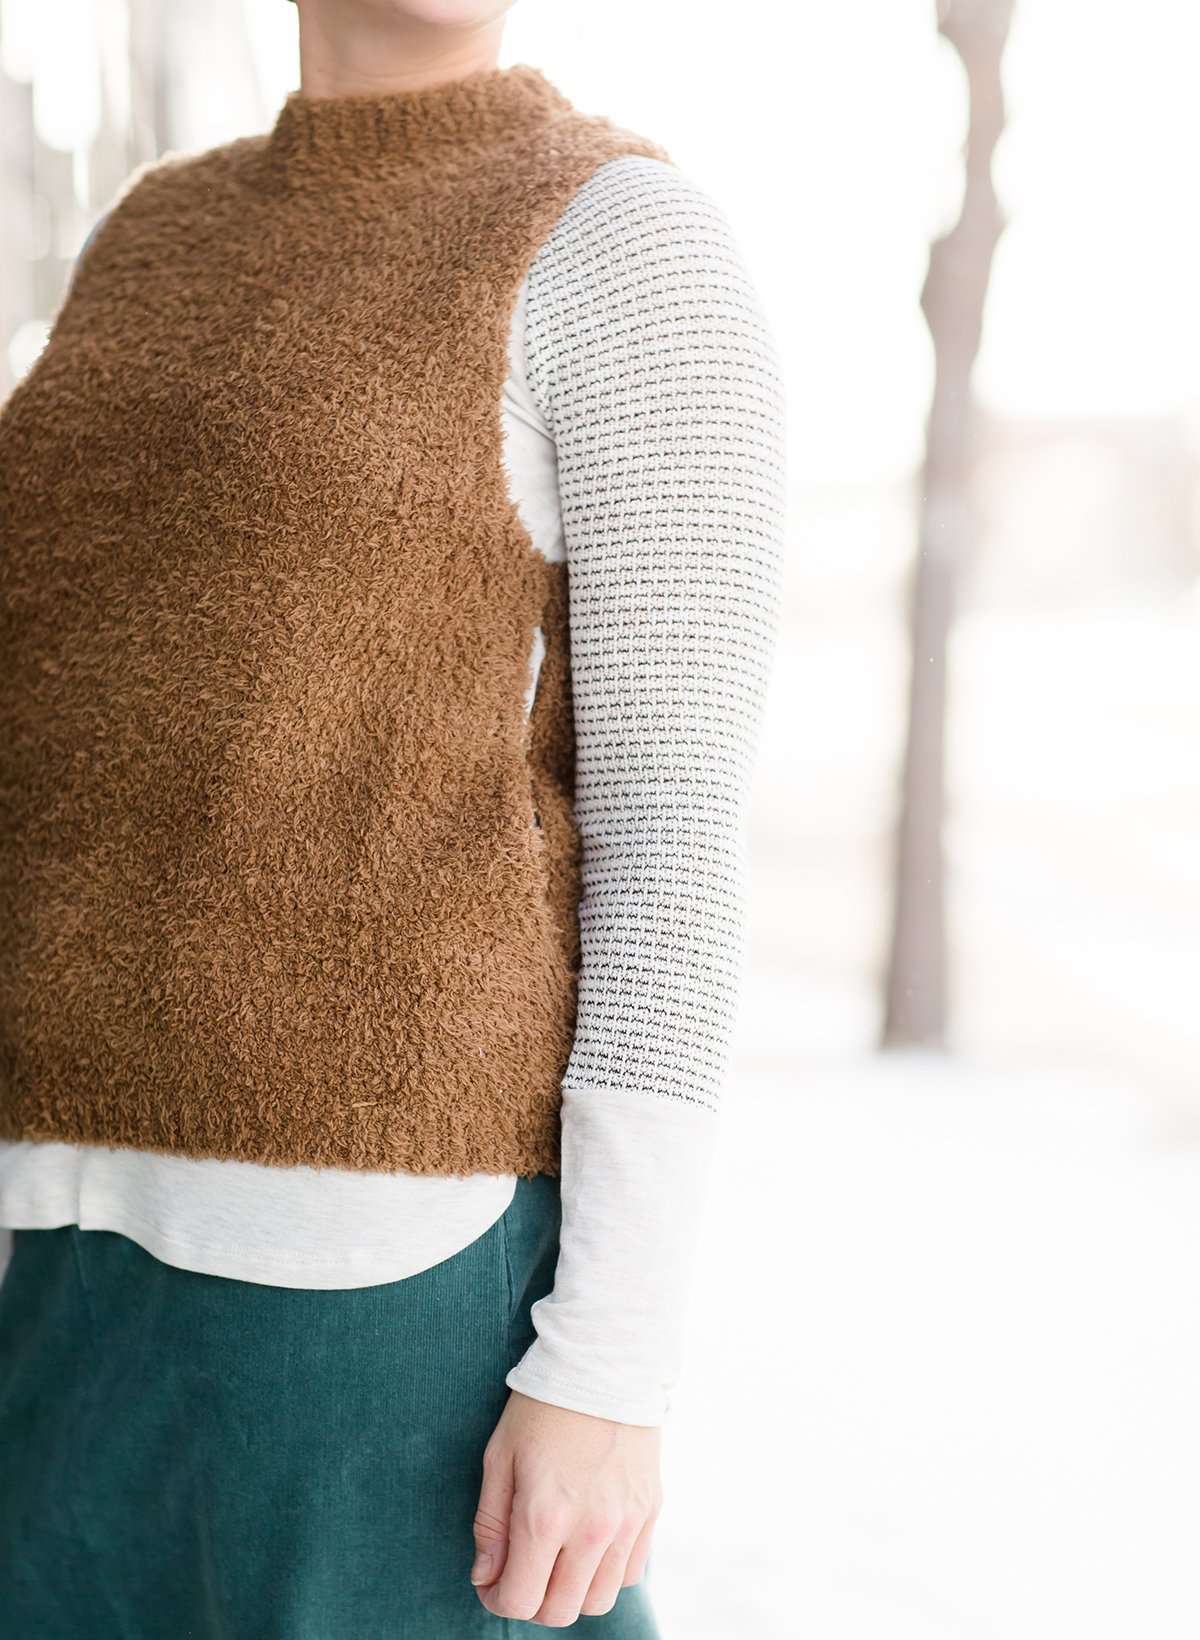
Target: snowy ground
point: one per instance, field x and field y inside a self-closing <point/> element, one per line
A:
<point x="948" y="1386"/>
<point x="943" y="1372"/>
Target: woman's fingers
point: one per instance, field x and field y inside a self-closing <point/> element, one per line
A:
<point x="635" y="1566"/>
<point x="492" y="1516"/>
<point x="609" y="1577"/>
<point x="596" y="1549"/>
<point x="534" y="1541"/>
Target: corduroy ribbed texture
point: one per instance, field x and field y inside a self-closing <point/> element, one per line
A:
<point x="247" y="1462"/>
<point x="270" y="878"/>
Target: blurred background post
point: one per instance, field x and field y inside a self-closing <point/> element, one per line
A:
<point x="955" y="1397"/>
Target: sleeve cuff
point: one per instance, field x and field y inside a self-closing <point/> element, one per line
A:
<point x="578" y="1396"/>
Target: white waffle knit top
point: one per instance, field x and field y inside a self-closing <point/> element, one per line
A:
<point x="643" y="421"/>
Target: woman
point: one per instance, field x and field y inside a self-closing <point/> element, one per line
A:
<point x="376" y="907"/>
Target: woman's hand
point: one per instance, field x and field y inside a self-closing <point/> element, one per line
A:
<point x="566" y="1511"/>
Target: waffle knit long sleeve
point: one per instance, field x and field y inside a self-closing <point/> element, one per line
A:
<point x="650" y="356"/>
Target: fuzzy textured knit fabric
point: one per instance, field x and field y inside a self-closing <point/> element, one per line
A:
<point x="287" y="872"/>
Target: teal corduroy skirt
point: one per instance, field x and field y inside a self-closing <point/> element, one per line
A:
<point x="186" y="1457"/>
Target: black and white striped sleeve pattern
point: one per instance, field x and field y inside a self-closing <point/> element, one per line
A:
<point x="651" y="359"/>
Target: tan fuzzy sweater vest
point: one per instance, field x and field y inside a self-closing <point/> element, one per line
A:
<point x="286" y="872"/>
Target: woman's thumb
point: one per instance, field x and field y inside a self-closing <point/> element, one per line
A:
<point x="492" y="1517"/>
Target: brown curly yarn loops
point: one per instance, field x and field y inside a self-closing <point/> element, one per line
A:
<point x="268" y="880"/>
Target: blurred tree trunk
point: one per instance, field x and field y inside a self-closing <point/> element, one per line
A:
<point x="953" y="302"/>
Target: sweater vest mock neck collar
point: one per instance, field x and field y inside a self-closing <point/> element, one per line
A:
<point x="358" y="132"/>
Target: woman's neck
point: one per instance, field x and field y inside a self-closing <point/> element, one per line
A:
<point x="347" y="48"/>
